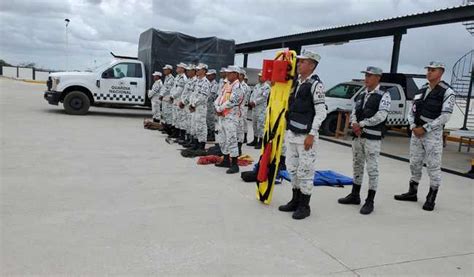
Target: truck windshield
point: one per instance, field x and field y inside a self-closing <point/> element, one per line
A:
<point x="343" y="91"/>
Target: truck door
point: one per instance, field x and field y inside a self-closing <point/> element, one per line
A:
<point x="396" y="116"/>
<point x="122" y="83"/>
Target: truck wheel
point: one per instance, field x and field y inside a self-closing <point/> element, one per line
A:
<point x="328" y="128"/>
<point x="76" y="103"/>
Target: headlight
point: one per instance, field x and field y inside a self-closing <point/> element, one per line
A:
<point x="56" y="80"/>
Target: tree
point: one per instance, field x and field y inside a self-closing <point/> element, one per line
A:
<point x="4" y="63"/>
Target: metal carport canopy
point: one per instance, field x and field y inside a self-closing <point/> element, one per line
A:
<point x="396" y="27"/>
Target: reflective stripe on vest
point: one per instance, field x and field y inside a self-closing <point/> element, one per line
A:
<point x="426" y="119"/>
<point x="298" y="125"/>
<point x="372" y="132"/>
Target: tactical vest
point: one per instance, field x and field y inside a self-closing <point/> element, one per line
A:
<point x="426" y="110"/>
<point x="301" y="107"/>
<point x="369" y="110"/>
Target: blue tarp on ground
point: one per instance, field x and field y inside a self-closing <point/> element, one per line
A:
<point x="321" y="178"/>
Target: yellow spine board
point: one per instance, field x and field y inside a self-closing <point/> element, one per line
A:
<point x="277" y="104"/>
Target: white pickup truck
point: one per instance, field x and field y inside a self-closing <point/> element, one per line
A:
<point x="122" y="82"/>
<point x="400" y="86"/>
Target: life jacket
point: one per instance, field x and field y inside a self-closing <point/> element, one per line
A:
<point x="226" y="93"/>
<point x="428" y="109"/>
<point x="301" y="106"/>
<point x="369" y="110"/>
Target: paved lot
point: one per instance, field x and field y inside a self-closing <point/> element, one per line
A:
<point x="98" y="194"/>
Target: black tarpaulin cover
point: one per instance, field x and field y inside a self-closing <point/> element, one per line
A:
<point x="157" y="48"/>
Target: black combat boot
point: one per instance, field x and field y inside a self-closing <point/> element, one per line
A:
<point x="303" y="209"/>
<point x="245" y="137"/>
<point x="353" y="197"/>
<point x="430" y="200"/>
<point x="190" y="143"/>
<point x="225" y="162"/>
<point x="293" y="204"/>
<point x="195" y="145"/>
<point x="258" y="145"/>
<point x="167" y="129"/>
<point x="202" y="146"/>
<point x="211" y="136"/>
<point x="254" y="142"/>
<point x="410" y="195"/>
<point x="240" y="148"/>
<point x="369" y="203"/>
<point x="234" y="167"/>
<point x="182" y="136"/>
<point x="186" y="139"/>
<point x="174" y="132"/>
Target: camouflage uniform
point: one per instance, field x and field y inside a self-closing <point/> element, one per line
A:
<point x="167" y="107"/>
<point x="185" y="98"/>
<point x="429" y="148"/>
<point x="368" y="150"/>
<point x="219" y="138"/>
<point x="243" y="126"/>
<point x="230" y="121"/>
<point x="178" y="86"/>
<point x="154" y="95"/>
<point x="302" y="163"/>
<point x="259" y="97"/>
<point x="199" y="102"/>
<point x="211" y="111"/>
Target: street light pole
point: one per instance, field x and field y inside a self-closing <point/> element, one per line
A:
<point x="67" y="45"/>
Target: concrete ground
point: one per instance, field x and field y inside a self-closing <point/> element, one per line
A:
<point x="98" y="194"/>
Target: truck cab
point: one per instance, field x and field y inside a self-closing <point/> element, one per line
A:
<point x="121" y="82"/>
<point x="341" y="97"/>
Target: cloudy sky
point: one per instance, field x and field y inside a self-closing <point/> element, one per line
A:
<point x="34" y="31"/>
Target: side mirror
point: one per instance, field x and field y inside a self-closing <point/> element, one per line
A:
<point x="105" y="74"/>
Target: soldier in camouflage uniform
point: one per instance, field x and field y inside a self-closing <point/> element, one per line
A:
<point x="154" y="96"/>
<point x="432" y="108"/>
<point x="258" y="103"/>
<point x="175" y="98"/>
<point x="184" y="104"/>
<point x="369" y="114"/>
<point x="228" y="108"/>
<point x="166" y="106"/>
<point x="211" y="111"/>
<point x="243" y="128"/>
<point x="198" y="107"/>
<point x="222" y="82"/>
<point x="306" y="112"/>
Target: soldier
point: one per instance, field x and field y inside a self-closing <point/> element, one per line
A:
<point x="211" y="111"/>
<point x="432" y="108"/>
<point x="198" y="107"/>
<point x="369" y="114"/>
<point x="175" y="98"/>
<point x="166" y="106"/>
<point x="184" y="104"/>
<point x="228" y="108"/>
<point x="306" y="112"/>
<point x="154" y="96"/>
<point x="222" y="81"/>
<point x="258" y="103"/>
<point x="243" y="128"/>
